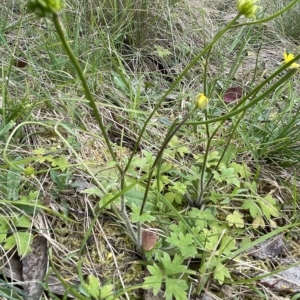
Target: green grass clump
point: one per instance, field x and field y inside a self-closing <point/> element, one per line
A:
<point x="287" y="24"/>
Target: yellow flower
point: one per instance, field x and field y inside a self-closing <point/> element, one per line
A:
<point x="287" y="58"/>
<point x="201" y="101"/>
<point x="44" y="8"/>
<point x="247" y="8"/>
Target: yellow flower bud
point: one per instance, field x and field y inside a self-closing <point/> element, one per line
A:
<point x="29" y="171"/>
<point x="201" y="101"/>
<point x="287" y="58"/>
<point x="247" y="8"/>
<point x="44" y="8"/>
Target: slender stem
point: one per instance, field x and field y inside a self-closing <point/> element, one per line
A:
<point x="200" y="198"/>
<point x="201" y="181"/>
<point x="85" y="86"/>
<point x="201" y="188"/>
<point x="160" y="153"/>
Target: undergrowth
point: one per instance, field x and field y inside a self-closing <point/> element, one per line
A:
<point x="154" y="144"/>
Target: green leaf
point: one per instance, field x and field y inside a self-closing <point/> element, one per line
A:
<point x="154" y="281"/>
<point x="31" y="198"/>
<point x="173" y="267"/>
<point x="136" y="217"/>
<point x="106" y="292"/>
<point x="161" y="52"/>
<point x="169" y="153"/>
<point x="42" y="155"/>
<point x="268" y="207"/>
<point x="6" y="128"/>
<point x="61" y="162"/>
<point x="183" y="150"/>
<point x="3" y="229"/>
<point x="229" y="154"/>
<point x="136" y="196"/>
<point x="138" y="162"/>
<point x="201" y="218"/>
<point x="243" y="170"/>
<point x="163" y="180"/>
<point x="227" y="245"/>
<point x="164" y="168"/>
<point x="120" y="82"/>
<point x="210" y="238"/>
<point x="20" y="239"/>
<point x="246" y="241"/>
<point x="252" y="186"/>
<point x="215" y="197"/>
<point x="94" y="191"/>
<point x="228" y="175"/>
<point x="23" y="241"/>
<point x="252" y="207"/>
<point x="179" y="187"/>
<point x="258" y="222"/>
<point x="69" y="129"/>
<point x="178" y="228"/>
<point x="14" y="177"/>
<point x="92" y="287"/>
<point x="10" y="242"/>
<point x="22" y="221"/>
<point x="235" y="219"/>
<point x="212" y="159"/>
<point x="221" y="273"/>
<point x="176" y="288"/>
<point x="150" y="159"/>
<point x="105" y="199"/>
<point x="185" y="244"/>
<point x="171" y="196"/>
<point x="233" y="180"/>
<point x="33" y="195"/>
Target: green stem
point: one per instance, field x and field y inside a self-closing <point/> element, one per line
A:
<point x="85" y="86"/>
<point x="160" y="153"/>
<point x="202" y="191"/>
<point x="201" y="181"/>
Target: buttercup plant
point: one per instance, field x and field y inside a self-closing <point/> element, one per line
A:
<point x="197" y="234"/>
<point x="289" y="57"/>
